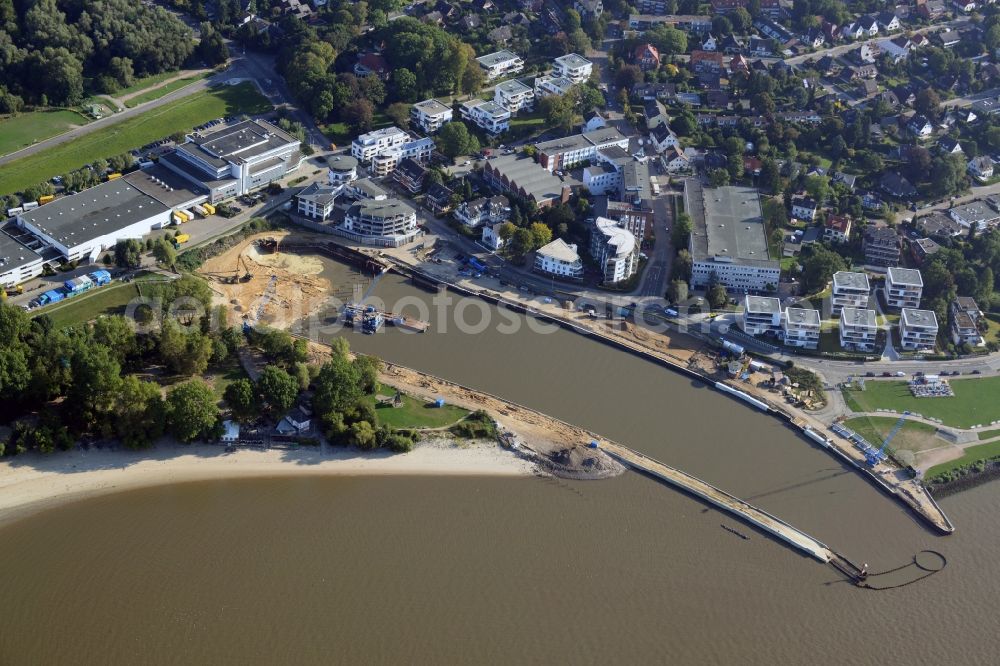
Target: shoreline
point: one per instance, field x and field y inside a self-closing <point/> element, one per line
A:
<point x="33" y="481"/>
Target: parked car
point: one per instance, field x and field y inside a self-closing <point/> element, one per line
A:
<point x="900" y="373"/>
<point x="977" y="372"/>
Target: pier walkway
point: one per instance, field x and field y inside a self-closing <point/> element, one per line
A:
<point x="723" y="500"/>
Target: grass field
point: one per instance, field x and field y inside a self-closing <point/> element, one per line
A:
<point x="157" y="93"/>
<point x="416" y="413"/>
<point x="913" y="436"/>
<point x="84" y="308"/>
<point x="975" y="401"/>
<point x="989" y="434"/>
<point x="27" y="128"/>
<point x="971" y="455"/>
<point x="132" y="133"/>
<point x="144" y="83"/>
<point x="224" y="376"/>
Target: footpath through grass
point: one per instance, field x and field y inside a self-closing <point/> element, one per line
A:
<point x="157" y="93"/>
<point x="415" y="413"/>
<point x="976" y="401"/>
<point x="27" y="128"/>
<point x="122" y="137"/>
<point x="145" y="82"/>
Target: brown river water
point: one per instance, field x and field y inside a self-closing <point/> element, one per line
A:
<point x="474" y="570"/>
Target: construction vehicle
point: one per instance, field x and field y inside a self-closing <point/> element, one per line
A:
<point x="267" y="244"/>
<point x="14" y="291"/>
<point x="873" y="456"/>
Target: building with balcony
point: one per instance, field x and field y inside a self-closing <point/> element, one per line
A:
<point x="489" y="116"/>
<point x="559" y="259"/>
<point x="341" y="169"/>
<point x="410" y="174"/>
<point x="761" y="314"/>
<point x="850" y="290"/>
<point x="385" y="222"/>
<point x="501" y="63"/>
<point x="574" y="67"/>
<point x="801" y="327"/>
<point x="381" y="150"/>
<point x="316" y="201"/>
<point x="514" y="96"/>
<point x="485" y="210"/>
<point x="429" y="115"/>
<point x="918" y="329"/>
<point x="615" y="249"/>
<point x="882" y="246"/>
<point x="903" y="288"/>
<point x="965" y="316"/>
<point x="547" y="85"/>
<point x="858" y="329"/>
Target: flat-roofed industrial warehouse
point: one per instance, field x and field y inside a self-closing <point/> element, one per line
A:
<point x="728" y="239"/>
<point x="18" y="262"/>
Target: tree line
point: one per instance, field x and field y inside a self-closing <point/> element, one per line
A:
<point x="54" y="52"/>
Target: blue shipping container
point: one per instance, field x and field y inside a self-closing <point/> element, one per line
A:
<point x="100" y="277"/>
<point x="51" y="296"/>
<point x="478" y="265"/>
<point x="78" y="284"/>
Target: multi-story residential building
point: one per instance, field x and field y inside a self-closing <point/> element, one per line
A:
<point x="430" y="114"/>
<point x="965" y="315"/>
<point x="341" y="169"/>
<point x="410" y="174"/>
<point x="574" y="67"/>
<point x="837" y="229"/>
<point x="438" y="198"/>
<point x="547" y="85"/>
<point x="981" y="214"/>
<point x="571" y="151"/>
<point x="559" y="258"/>
<point x="850" y="290"/>
<point x="365" y="189"/>
<point x="858" y="330"/>
<point x="646" y="56"/>
<point x="881" y="246"/>
<point x="638" y="220"/>
<point x="804" y="208"/>
<point x="514" y="96"/>
<point x="525" y="178"/>
<point x="918" y="329"/>
<point x="601" y="179"/>
<point x="801" y="327"/>
<point x="381" y="150"/>
<point x="485" y="210"/>
<point x="615" y="249"/>
<point x="761" y="314"/>
<point x="501" y="63"/>
<point x="733" y="247"/>
<point x="903" y="288"/>
<point x="489" y="116"/>
<point x="316" y="201"/>
<point x="491" y="237"/>
<point x="387" y="222"/>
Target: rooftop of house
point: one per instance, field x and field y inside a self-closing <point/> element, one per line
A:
<point x="859" y="317"/>
<point x="494" y="59"/>
<point x="803" y="316"/>
<point x="908" y="277"/>
<point x="560" y="251"/>
<point x="920" y="318"/>
<point x="573" y="61"/>
<point x="432" y="107"/>
<point x="513" y="87"/>
<point x="761" y="304"/>
<point x="850" y="280"/>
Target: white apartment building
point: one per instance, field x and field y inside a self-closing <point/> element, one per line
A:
<point x="341" y="169"/>
<point x="601" y="178"/>
<point x="485" y="210"/>
<point x="615" y="249"/>
<point x="801" y="327"/>
<point x="858" y="329"/>
<point x="559" y="258"/>
<point x="918" y="329"/>
<point x="570" y="151"/>
<point x="547" y="85"/>
<point x="514" y="96"/>
<point x="903" y="288"/>
<point x="316" y="201"/>
<point x="430" y="114"/>
<point x="490" y="116"/>
<point x="850" y="290"/>
<point x="761" y="314"/>
<point x="574" y="67"/>
<point x="501" y="63"/>
<point x="391" y="142"/>
<point x="386" y="222"/>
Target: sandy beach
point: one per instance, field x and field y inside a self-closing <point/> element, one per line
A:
<point x="34" y="481"/>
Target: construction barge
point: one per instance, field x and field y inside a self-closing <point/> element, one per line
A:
<point x="370" y="319"/>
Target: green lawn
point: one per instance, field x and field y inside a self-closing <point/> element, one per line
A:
<point x="989" y="434"/>
<point x="157" y="93"/>
<point x="144" y="83"/>
<point x="132" y="133"/>
<point x="221" y="378"/>
<point x="28" y="128"/>
<point x="415" y="413"/>
<point x="975" y="402"/>
<point x="971" y="455"/>
<point x="78" y="309"/>
<point x="913" y="436"/>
